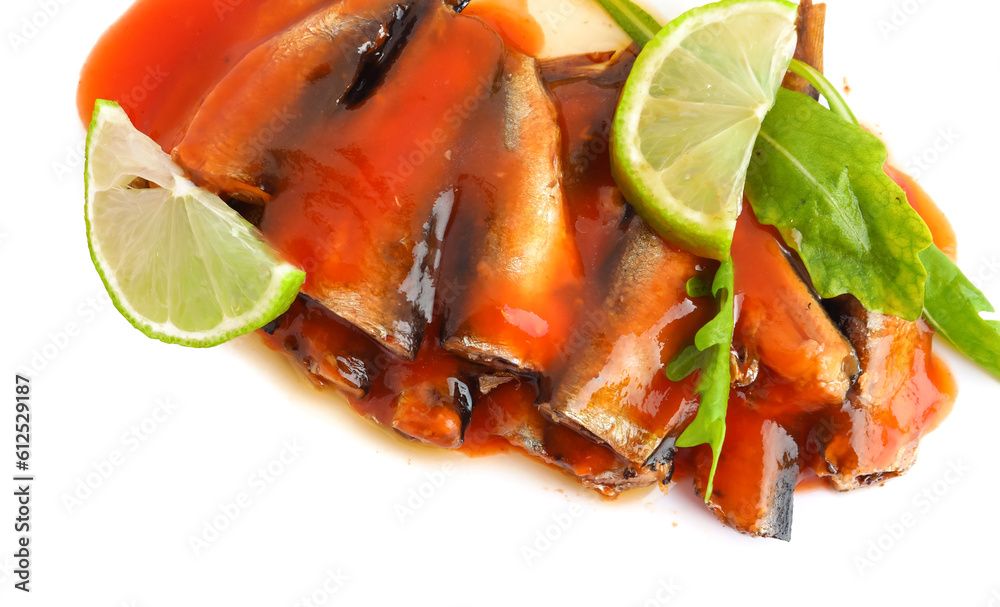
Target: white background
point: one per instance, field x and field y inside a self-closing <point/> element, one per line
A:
<point x="916" y="68"/>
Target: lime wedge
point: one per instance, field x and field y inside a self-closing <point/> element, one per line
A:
<point x="689" y="115"/>
<point x="179" y="264"/>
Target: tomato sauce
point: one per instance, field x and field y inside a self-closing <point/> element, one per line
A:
<point x="428" y="137"/>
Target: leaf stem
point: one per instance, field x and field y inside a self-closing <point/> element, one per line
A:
<point x="825" y="88"/>
<point x="636" y="22"/>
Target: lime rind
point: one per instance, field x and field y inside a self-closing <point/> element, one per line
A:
<point x="222" y="282"/>
<point x="690" y="113"/>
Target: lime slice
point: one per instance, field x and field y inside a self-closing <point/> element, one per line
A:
<point x="179" y="264"/>
<point x="689" y="115"/>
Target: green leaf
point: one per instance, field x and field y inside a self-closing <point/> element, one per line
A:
<point x="710" y="354"/>
<point x="637" y="23"/>
<point x="953" y="306"/>
<point x="820" y="181"/>
<point x="699" y="286"/>
<point x="687" y="362"/>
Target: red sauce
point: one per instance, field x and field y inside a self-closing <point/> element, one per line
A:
<point x="513" y="21"/>
<point x="160" y="74"/>
<point x="326" y="188"/>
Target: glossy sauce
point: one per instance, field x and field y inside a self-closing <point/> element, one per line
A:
<point x="513" y="21"/>
<point x="944" y="234"/>
<point x="362" y="154"/>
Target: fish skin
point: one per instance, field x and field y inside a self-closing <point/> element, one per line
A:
<point x="509" y="411"/>
<point x="396" y="310"/>
<point x="510" y="316"/>
<point x="366" y="224"/>
<point x="754" y="485"/>
<point x="266" y="99"/>
<point x="783" y="324"/>
<point x="852" y="451"/>
<point x="327" y="349"/>
<point x="621" y="360"/>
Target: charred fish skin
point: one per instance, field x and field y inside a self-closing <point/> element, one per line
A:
<point x="510" y="315"/>
<point x="508" y="411"/>
<point x="270" y="96"/>
<point x="620" y="362"/>
<point x="662" y="460"/>
<point x="853" y="441"/>
<point x="755" y="481"/>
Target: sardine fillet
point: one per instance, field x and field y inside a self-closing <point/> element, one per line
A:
<point x="508" y="316"/>
<point x="276" y="93"/>
<point x="605" y="386"/>
<point x="509" y="412"/>
<point x="782" y="321"/>
<point x="853" y="440"/>
<point x="757" y="472"/>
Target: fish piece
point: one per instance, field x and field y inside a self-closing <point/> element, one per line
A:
<point x="783" y="324"/>
<point x="509" y="411"/>
<point x="363" y="208"/>
<point x="592" y="66"/>
<point x="328" y="349"/>
<point x="586" y="98"/>
<point x="428" y="400"/>
<point x="810" y="22"/>
<point x="586" y="88"/>
<point x="755" y="480"/>
<point x="513" y="309"/>
<point x="875" y="434"/>
<point x="435" y="412"/>
<point x="613" y="387"/>
<point x="743" y="368"/>
<point x="278" y="91"/>
<point x="492" y="381"/>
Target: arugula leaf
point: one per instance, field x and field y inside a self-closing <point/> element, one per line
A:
<point x="820" y="181"/>
<point x="637" y="23"/>
<point x="710" y="355"/>
<point x="953" y="306"/>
